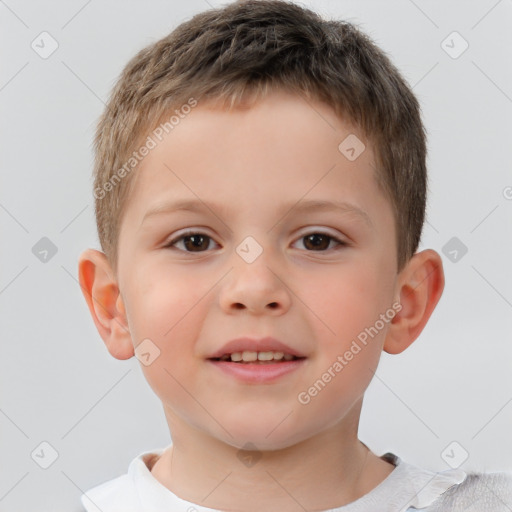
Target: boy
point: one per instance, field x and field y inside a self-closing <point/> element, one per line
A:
<point x="260" y="190"/>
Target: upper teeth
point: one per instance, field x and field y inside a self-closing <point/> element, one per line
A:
<point x="247" y="355"/>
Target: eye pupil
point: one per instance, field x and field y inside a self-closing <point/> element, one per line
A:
<point x="318" y="240"/>
<point x="196" y="241"/>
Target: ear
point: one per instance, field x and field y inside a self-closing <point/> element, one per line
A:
<point x="420" y="286"/>
<point x="105" y="302"/>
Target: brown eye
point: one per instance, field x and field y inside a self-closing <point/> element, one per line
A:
<point x="192" y="242"/>
<point x="320" y="241"/>
<point x="196" y="242"/>
<point x="317" y="241"/>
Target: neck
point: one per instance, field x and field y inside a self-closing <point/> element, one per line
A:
<point x="328" y="470"/>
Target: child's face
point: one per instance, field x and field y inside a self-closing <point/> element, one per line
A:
<point x="256" y="169"/>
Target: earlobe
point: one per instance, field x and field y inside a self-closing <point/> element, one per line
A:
<point x="105" y="302"/>
<point x="420" y="286"/>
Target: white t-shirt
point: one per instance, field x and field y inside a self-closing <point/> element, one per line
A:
<point x="139" y="491"/>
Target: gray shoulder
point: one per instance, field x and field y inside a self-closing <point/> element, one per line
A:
<point x="479" y="492"/>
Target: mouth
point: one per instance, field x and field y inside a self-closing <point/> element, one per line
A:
<point x="256" y="361"/>
<point x="258" y="358"/>
<point x="256" y="368"/>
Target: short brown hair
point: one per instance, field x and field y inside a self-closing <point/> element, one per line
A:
<point x="245" y="50"/>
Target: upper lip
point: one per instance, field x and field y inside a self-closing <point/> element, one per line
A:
<point x="255" y="345"/>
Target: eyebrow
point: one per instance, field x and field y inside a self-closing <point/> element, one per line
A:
<point x="304" y="206"/>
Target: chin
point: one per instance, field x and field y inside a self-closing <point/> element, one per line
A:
<point x="262" y="435"/>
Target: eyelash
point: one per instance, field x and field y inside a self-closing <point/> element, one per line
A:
<point x="187" y="234"/>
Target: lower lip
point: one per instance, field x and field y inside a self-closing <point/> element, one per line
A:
<point x="258" y="373"/>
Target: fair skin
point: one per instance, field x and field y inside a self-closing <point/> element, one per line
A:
<point x="258" y="166"/>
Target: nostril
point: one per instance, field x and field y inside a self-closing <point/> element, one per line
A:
<point x="273" y="305"/>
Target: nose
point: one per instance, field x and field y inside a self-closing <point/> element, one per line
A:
<point x="255" y="287"/>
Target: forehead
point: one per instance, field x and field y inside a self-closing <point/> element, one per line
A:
<point x="282" y="149"/>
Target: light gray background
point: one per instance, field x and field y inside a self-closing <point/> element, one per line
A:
<point x="58" y="382"/>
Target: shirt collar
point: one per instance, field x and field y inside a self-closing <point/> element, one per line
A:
<point x="406" y="486"/>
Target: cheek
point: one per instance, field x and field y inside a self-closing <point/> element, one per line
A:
<point x="166" y="309"/>
<point x="161" y="300"/>
<point x="345" y="300"/>
<point x="346" y="358"/>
